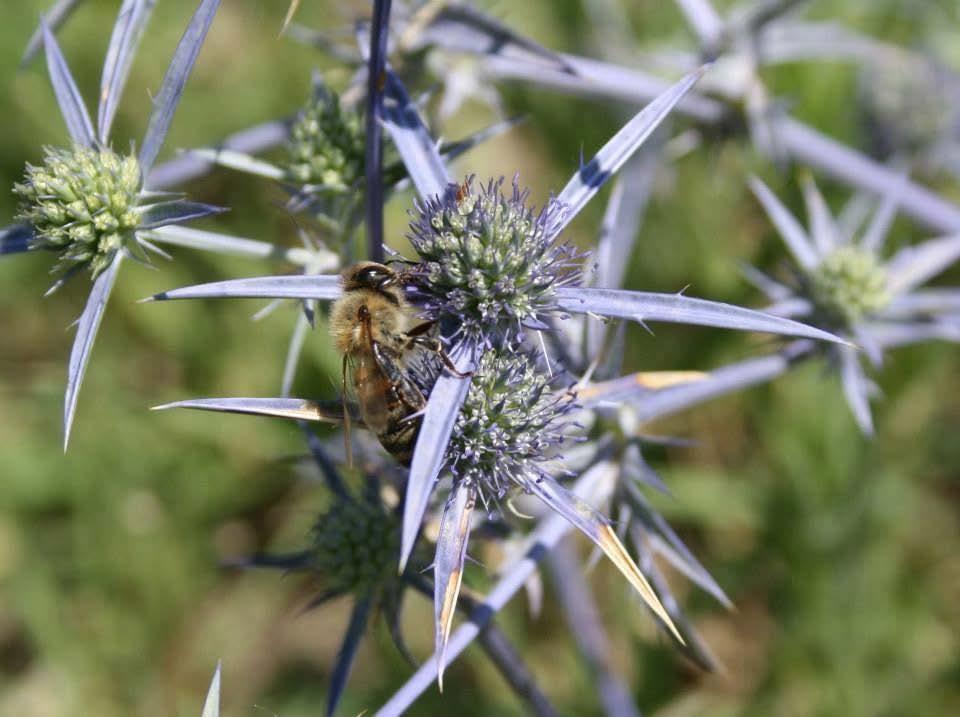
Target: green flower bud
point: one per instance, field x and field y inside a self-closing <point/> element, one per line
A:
<point x="326" y="144"/>
<point x="849" y="284"/>
<point x="81" y="203"/>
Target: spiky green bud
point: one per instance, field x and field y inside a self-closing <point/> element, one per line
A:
<point x="326" y="145"/>
<point x="850" y="283"/>
<point x="82" y="203"/>
<point x="355" y="545"/>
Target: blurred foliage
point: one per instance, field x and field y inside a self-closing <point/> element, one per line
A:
<point x="842" y="555"/>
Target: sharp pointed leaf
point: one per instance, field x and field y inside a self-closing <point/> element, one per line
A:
<point x="786" y="225"/>
<point x="914" y="265"/>
<point x="127" y="31"/>
<point x="791" y="307"/>
<point x="165" y="103"/>
<point x="923" y="301"/>
<point x="87" y="328"/>
<point x="15" y="239"/>
<point x="856" y="388"/>
<point x="68" y="96"/>
<point x="876" y="233"/>
<point x="240" y="161"/>
<point x="239" y="246"/>
<point x="774" y="290"/>
<point x="293" y="408"/>
<point x="676" y="308"/>
<point x="597" y="528"/>
<point x="591" y="176"/>
<point x="891" y="335"/>
<point x="176" y="212"/>
<point x="616" y="390"/>
<point x="294" y="351"/>
<point x="448" y="566"/>
<point x="291" y="11"/>
<point x="444" y="404"/>
<point x="348" y="651"/>
<point x="412" y="140"/>
<point x="635" y="468"/>
<point x="822" y="227"/>
<point x="674" y="549"/>
<point x="392" y="608"/>
<point x="211" y="706"/>
<point x="54" y="17"/>
<point x="296" y="286"/>
<point x="719" y="382"/>
<point x="463" y="28"/>
<point x="703" y="20"/>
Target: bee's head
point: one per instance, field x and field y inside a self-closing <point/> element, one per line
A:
<point x="369" y="275"/>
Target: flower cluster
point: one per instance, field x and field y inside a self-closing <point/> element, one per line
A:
<point x="510" y="423"/>
<point x="490" y="263"/>
<point x="82" y="203"/>
<point x="326" y="145"/>
<point x="849" y="284"/>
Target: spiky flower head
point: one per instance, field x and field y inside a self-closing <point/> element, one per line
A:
<point x="511" y="423"/>
<point x="849" y="284"/>
<point x="489" y="262"/>
<point x="326" y="145"/>
<point x="82" y="202"/>
<point x="354" y="545"/>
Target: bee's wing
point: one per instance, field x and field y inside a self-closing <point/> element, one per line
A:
<point x="392" y="366"/>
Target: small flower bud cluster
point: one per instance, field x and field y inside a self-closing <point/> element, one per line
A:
<point x="849" y="284"/>
<point x="511" y="422"/>
<point x="489" y="262"/>
<point x="355" y="545"/>
<point x="326" y="144"/>
<point x="83" y="203"/>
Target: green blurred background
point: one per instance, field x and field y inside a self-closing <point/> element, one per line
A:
<point x="841" y="554"/>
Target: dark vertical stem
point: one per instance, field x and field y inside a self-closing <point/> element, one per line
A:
<point x="587" y="628"/>
<point x="373" y="165"/>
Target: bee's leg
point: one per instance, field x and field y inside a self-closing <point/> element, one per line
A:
<point x="348" y="448"/>
<point x="399" y="381"/>
<point x="416" y="337"/>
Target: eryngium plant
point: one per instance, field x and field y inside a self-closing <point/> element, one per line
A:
<point x="842" y="283"/>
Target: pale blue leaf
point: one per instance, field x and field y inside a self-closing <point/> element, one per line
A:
<point x="54" y="17"/>
<point x="348" y="651"/>
<point x="678" y="554"/>
<point x="913" y="265"/>
<point x="239" y="246"/>
<point x="675" y="308"/>
<point x="856" y="388"/>
<point x="373" y="141"/>
<point x="823" y="230"/>
<point x="448" y="566"/>
<point x="786" y="225"/>
<point x="240" y="161"/>
<point x="879" y="227"/>
<point x="127" y="32"/>
<point x="596" y="527"/>
<point x="412" y="140"/>
<point x="440" y="414"/>
<point x="300" y="330"/>
<point x="923" y="301"/>
<point x="635" y="468"/>
<point x="890" y="335"/>
<point x="774" y="290"/>
<point x="830" y="157"/>
<point x="177" y="211"/>
<point x="751" y="372"/>
<point x="87" y="327"/>
<point x="703" y="20"/>
<point x="188" y="165"/>
<point x="68" y="96"/>
<point x="211" y="706"/>
<point x="165" y="103"/>
<point x="591" y="176"/>
<point x="15" y="239"/>
<point x="295" y="286"/>
<point x="790" y="307"/>
<point x="463" y="28"/>
<point x="292" y="408"/>
<point x="852" y="216"/>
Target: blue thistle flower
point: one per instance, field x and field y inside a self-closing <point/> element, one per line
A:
<point x="490" y="264"/>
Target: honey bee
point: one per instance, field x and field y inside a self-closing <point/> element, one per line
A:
<point x="371" y="327"/>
